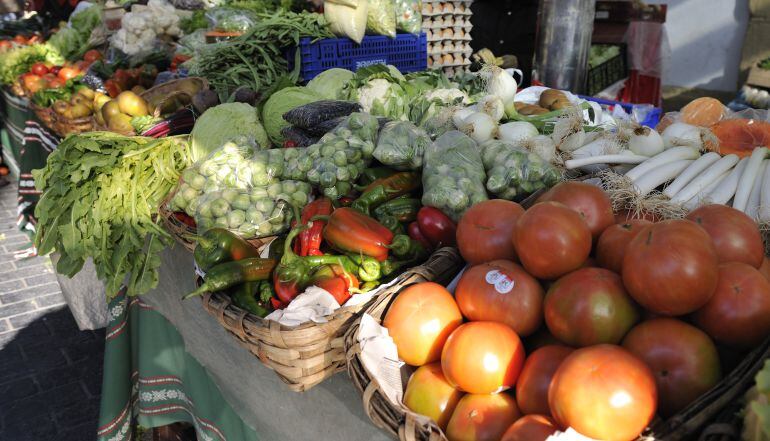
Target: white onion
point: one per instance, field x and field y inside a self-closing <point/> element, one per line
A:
<point x="459" y="115"/>
<point x="681" y="134"/>
<point x="572" y="141"/>
<point x="493" y="106"/>
<point x="480" y="126"/>
<point x="646" y="142"/>
<point x="542" y="146"/>
<point x="500" y="83"/>
<point x="518" y="131"/>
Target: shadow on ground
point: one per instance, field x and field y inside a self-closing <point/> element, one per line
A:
<point x="50" y="380"/>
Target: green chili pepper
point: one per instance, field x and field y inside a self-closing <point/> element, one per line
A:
<point x="404" y="209"/>
<point x="370" y="175"/>
<point x="368" y="267"/>
<point x="383" y="190"/>
<point x="404" y="247"/>
<point x="218" y="245"/>
<point x="392" y="224"/>
<point x="244" y="297"/>
<point x="391" y="266"/>
<point x="229" y="274"/>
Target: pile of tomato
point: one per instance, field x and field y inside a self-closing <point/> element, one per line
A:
<point x="569" y="316"/>
<point x="44" y="76"/>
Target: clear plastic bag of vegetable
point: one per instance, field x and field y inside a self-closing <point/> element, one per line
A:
<point x="401" y="145"/>
<point x="513" y="172"/>
<point x="310" y="115"/>
<point x="409" y="16"/>
<point x="346" y="19"/>
<point x="231" y="20"/>
<point x="254" y="212"/>
<point x="453" y="174"/>
<point x="360" y="130"/>
<point x="264" y="168"/>
<point x="381" y="18"/>
<point x="336" y="164"/>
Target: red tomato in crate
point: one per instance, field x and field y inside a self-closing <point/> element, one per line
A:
<point x="551" y="240"/>
<point x="611" y="247"/>
<point x="39" y="69"/>
<point x="428" y="393"/>
<point x="92" y="56"/>
<point x="736" y="236"/>
<point x="589" y="200"/>
<point x="484" y="232"/>
<point x="33" y="82"/>
<point x="683" y="359"/>
<point x="739" y="312"/>
<point x="535" y="377"/>
<point x="501" y="291"/>
<point x="603" y="392"/>
<point x="482" y="417"/>
<point x="589" y="307"/>
<point x="482" y="357"/>
<point x="68" y="73"/>
<point x="420" y="320"/>
<point x="530" y="428"/>
<point x="671" y="267"/>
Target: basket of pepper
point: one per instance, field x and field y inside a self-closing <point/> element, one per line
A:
<point x="341" y="250"/>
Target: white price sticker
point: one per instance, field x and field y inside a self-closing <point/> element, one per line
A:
<point x="502" y="283"/>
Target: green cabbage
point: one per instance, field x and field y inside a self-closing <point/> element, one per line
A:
<point x="280" y="103"/>
<point x="224" y="122"/>
<point x="330" y="83"/>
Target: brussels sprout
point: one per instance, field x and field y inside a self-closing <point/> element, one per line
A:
<point x="289" y="186"/>
<point x="299" y="198"/>
<point x="189" y="193"/>
<point x="241" y="202"/>
<point x="257" y="193"/>
<point x="229" y="194"/>
<point x="197" y="182"/>
<point x="265" y="205"/>
<point x="221" y="222"/>
<point x="274" y="190"/>
<point x="254" y="216"/>
<point x="204" y="209"/>
<point x="192" y="207"/>
<point x="235" y="218"/>
<point x="220" y="207"/>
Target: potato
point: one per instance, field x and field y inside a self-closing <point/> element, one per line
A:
<point x="548" y="97"/>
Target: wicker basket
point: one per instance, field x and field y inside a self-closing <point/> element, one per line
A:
<point x="305" y="355"/>
<point x="67" y="126"/>
<point x="406" y="425"/>
<point x="44" y="114"/>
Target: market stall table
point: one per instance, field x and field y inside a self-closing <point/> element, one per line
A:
<point x="215" y="381"/>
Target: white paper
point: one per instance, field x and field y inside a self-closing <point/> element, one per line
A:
<point x="569" y="435"/>
<point x="312" y="305"/>
<point x="531" y="95"/>
<point x="379" y="356"/>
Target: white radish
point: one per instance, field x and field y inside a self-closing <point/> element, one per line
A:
<point x="499" y="83"/>
<point x="703" y="180"/>
<point x="745" y="184"/>
<point x="752" y="207"/>
<point x="620" y="158"/>
<point x="670" y="155"/>
<point x="690" y="173"/>
<point x="660" y="175"/>
<point x="480" y="126"/>
<point x="459" y="115"/>
<point x="681" y="134"/>
<point x="517" y="131"/>
<point x="543" y="146"/>
<point x="493" y="106"/>
<point x="645" y="141"/>
<point x="764" y="199"/>
<point x="723" y="193"/>
<point x="702" y="197"/>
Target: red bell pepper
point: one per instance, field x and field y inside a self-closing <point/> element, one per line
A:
<point x="348" y="230"/>
<point x="437" y="227"/>
<point x="335" y="280"/>
<point x="309" y="243"/>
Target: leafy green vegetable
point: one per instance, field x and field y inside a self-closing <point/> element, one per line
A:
<point x="514" y="172"/>
<point x="20" y="59"/>
<point x="222" y="123"/>
<point x="196" y="21"/>
<point x="330" y="83"/>
<point x="101" y="192"/>
<point x="281" y="102"/>
<point x="73" y="41"/>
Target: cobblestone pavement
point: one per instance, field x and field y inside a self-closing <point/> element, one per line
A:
<point x="50" y="372"/>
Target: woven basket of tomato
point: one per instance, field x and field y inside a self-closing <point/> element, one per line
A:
<point x="570" y="319"/>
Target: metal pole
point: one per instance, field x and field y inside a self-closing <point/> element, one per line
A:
<point x="563" y="41"/>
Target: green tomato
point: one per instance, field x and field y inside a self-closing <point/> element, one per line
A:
<point x="235" y="218"/>
<point x="220" y="207"/>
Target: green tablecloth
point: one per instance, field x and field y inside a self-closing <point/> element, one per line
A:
<point x="149" y="378"/>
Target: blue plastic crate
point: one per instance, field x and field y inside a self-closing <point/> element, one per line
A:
<point x="408" y="52"/>
<point x="652" y="119"/>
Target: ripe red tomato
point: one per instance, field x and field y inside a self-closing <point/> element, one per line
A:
<point x="603" y="392"/>
<point x="551" y="240"/>
<point x="68" y="73"/>
<point x="588" y="307"/>
<point x="530" y="428"/>
<point x="482" y="417"/>
<point x="39" y="69"/>
<point x="33" y="82"/>
<point x="482" y="357"/>
<point x="765" y="268"/>
<point x="55" y="83"/>
<point x="611" y="247"/>
<point x="590" y="201"/>
<point x="532" y="385"/>
<point x="671" y="267"/>
<point x="92" y="56"/>
<point x="428" y="393"/>
<point x="501" y="291"/>
<point x="739" y="312"/>
<point x="420" y="321"/>
<point x="484" y="232"/>
<point x="736" y="236"/>
<point x="683" y="359"/>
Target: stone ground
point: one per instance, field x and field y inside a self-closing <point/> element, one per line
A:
<point x="50" y="371"/>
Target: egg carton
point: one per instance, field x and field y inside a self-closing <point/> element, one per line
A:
<point x="450" y="72"/>
<point x="448" y="60"/>
<point x="437" y="8"/>
<point x="440" y="22"/>
<point x="448" y="34"/>
<point x="449" y="47"/>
